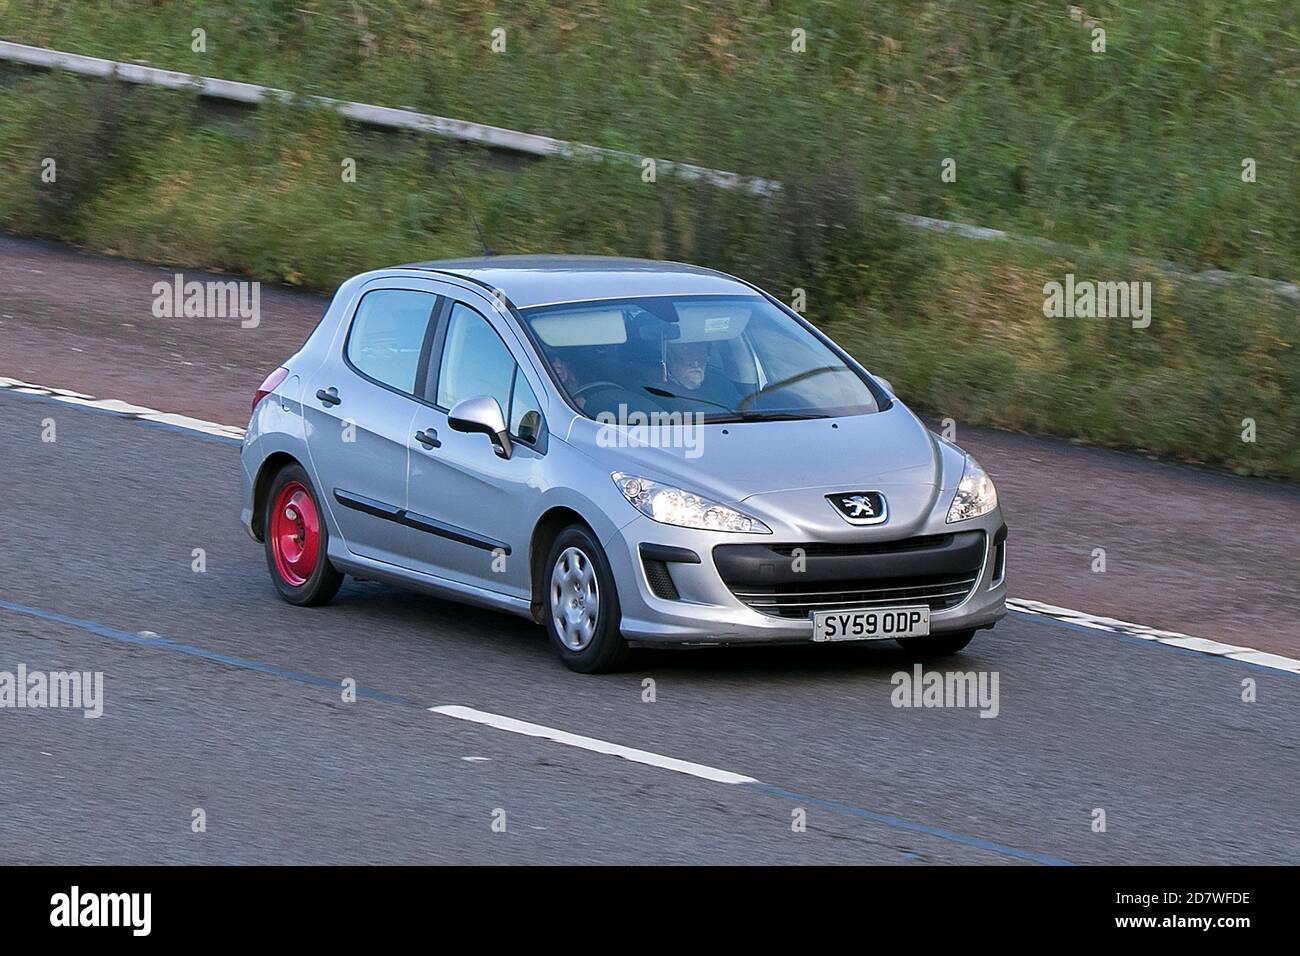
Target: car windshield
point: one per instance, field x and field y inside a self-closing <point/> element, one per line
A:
<point x="724" y="358"/>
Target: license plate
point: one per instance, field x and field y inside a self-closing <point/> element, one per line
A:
<point x="876" y="624"/>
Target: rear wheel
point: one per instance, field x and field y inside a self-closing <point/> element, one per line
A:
<point x="582" y="612"/>
<point x="297" y="540"/>
<point x="936" y="645"/>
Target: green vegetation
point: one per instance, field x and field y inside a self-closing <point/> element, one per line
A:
<point x="1136" y="151"/>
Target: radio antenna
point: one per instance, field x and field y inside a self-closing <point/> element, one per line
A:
<point x="469" y="209"/>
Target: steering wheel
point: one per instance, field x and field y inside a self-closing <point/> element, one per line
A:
<point x="604" y="383"/>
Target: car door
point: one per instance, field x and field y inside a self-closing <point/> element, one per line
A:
<point x="474" y="507"/>
<point x="360" y="406"/>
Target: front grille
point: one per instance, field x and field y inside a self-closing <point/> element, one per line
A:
<point x="800" y="600"/>
<point x="794" y="580"/>
<point x="859" y="548"/>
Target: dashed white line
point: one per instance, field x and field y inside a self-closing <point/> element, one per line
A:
<point x="591" y="743"/>
<point x="1201" y="645"/>
<point x="1096" y="622"/>
<point x="125" y="409"/>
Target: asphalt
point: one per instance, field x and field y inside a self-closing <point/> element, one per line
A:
<point x="231" y="703"/>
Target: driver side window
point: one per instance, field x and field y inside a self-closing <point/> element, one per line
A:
<point x="476" y="362"/>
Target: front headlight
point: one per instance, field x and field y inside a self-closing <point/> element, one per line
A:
<point x="683" y="508"/>
<point x="975" y="494"/>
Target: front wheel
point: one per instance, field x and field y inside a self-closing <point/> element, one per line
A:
<point x="297" y="540"/>
<point x="936" y="645"/>
<point x="582" y="612"/>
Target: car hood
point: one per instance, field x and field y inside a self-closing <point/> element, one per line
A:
<point x="785" y="469"/>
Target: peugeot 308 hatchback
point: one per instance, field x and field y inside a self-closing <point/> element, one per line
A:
<point x="628" y="452"/>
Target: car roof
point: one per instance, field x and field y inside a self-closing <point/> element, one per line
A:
<point x="545" y="279"/>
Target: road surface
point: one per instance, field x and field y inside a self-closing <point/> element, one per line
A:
<point x="231" y="704"/>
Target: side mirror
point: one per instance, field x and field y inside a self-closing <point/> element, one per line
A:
<point x="482" y="414"/>
<point x="886" y="384"/>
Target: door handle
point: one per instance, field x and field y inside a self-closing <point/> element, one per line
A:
<point x="428" y="438"/>
<point x="328" y="396"/>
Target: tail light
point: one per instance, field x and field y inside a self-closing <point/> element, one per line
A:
<point x="269" y="385"/>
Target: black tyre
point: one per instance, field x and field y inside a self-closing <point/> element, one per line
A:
<point x="936" y="645"/>
<point x="297" y="539"/>
<point x="582" y="611"/>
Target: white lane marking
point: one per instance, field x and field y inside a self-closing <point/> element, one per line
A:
<point x="195" y="424"/>
<point x="1082" y="618"/>
<point x="1265" y="659"/>
<point x="125" y="409"/>
<point x="1201" y="645"/>
<point x="591" y="743"/>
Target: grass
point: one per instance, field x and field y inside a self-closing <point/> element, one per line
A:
<point x="1135" y="151"/>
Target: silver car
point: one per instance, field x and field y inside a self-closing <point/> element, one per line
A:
<point x="631" y="453"/>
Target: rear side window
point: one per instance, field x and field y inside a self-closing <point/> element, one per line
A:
<point x="476" y="362"/>
<point x="387" y="336"/>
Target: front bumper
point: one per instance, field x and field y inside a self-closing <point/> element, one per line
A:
<point x="706" y="611"/>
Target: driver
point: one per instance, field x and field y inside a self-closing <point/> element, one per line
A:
<point x="568" y="379"/>
<point x="688" y="375"/>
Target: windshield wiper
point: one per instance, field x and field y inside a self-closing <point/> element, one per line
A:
<point x="737" y="414"/>
<point x="791" y="380"/>
<point x="757" y="415"/>
<point x="664" y="393"/>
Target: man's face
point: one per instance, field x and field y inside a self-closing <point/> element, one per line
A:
<point x="686" y="363"/>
